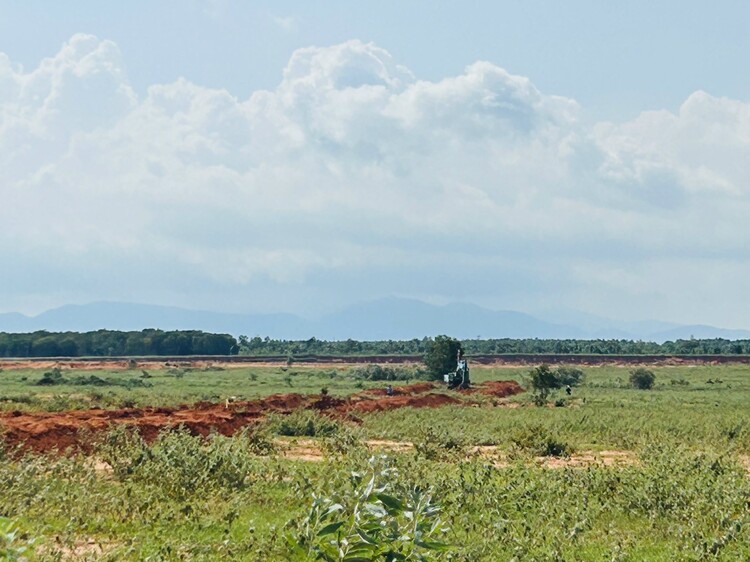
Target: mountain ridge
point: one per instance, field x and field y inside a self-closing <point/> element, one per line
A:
<point x="380" y="319"/>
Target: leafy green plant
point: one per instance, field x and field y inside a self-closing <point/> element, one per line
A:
<point x="303" y="423"/>
<point x="537" y="441"/>
<point x="374" y="520"/>
<point x="569" y="376"/>
<point x="52" y="378"/>
<point x="12" y="546"/>
<point x="542" y="381"/>
<point x="344" y="442"/>
<point x="642" y="379"/>
<point x="386" y="373"/>
<point x="439" y="444"/>
<point x="441" y="355"/>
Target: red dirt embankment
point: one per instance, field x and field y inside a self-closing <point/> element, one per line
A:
<point x="43" y="431"/>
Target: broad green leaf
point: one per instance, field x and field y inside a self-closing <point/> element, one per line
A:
<point x="330" y="529"/>
<point x="390" y="502"/>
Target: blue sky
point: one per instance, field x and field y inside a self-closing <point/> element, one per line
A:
<point x="298" y="156"/>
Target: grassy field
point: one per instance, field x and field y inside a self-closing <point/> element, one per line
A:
<point x="682" y="494"/>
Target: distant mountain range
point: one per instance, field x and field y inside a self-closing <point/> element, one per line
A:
<point x="383" y="319"/>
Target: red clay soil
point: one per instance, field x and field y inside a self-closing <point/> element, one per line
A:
<point x="43" y="431"/>
<point x="500" y="389"/>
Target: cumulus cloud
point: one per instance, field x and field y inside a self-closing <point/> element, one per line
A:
<point x="353" y="178"/>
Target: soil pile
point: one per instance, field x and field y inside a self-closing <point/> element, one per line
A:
<point x="501" y="389"/>
<point x="45" y="431"/>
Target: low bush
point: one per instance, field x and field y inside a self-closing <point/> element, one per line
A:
<point x="537" y="441"/>
<point x="303" y="423"/>
<point x="373" y="519"/>
<point x="642" y="379"/>
<point x="386" y="373"/>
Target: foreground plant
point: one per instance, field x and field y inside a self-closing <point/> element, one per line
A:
<point x="12" y="546"/>
<point x="373" y="521"/>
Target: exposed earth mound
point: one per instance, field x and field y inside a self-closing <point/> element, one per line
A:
<point x="43" y="431"/>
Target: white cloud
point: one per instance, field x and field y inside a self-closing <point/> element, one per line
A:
<point x="354" y="169"/>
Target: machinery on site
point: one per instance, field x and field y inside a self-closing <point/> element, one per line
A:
<point x="460" y="378"/>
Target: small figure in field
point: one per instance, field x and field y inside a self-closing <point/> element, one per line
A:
<point x="568" y="390"/>
<point x="389" y="390"/>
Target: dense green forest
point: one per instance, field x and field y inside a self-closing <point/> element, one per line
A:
<point x="103" y="343"/>
<point x="266" y="346"/>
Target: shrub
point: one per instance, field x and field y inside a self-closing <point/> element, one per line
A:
<point x="343" y="442"/>
<point x="542" y="381"/>
<point x="179" y="464"/>
<point x="12" y="545"/>
<point x="302" y="423"/>
<point x="386" y="373"/>
<point x="536" y="440"/>
<point x="439" y="444"/>
<point x="569" y="376"/>
<point x="642" y="379"/>
<point x="373" y="520"/>
<point x="52" y="378"/>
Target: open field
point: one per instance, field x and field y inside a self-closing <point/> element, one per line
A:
<point x="611" y="473"/>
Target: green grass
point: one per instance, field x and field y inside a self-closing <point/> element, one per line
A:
<point x="686" y="496"/>
<point x="604" y="413"/>
<point x="171" y="387"/>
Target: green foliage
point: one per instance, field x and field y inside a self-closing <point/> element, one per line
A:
<point x="180" y="464"/>
<point x="440" y="356"/>
<point x="569" y="376"/>
<point x="104" y="343"/>
<point x="345" y="441"/>
<point x="642" y="379"/>
<point x="543" y="381"/>
<point x="386" y="373"/>
<point x="303" y="423"/>
<point x="13" y="547"/>
<point x="373" y="520"/>
<point x="440" y="444"/>
<point x="51" y="378"/>
<point x="56" y="378"/>
<point x="538" y="441"/>
<point x="489" y="346"/>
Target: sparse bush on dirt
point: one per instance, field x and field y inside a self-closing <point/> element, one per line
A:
<point x="56" y="378"/>
<point x="537" y="441"/>
<point x="51" y="378"/>
<point x="347" y="440"/>
<point x="180" y="464"/>
<point x="439" y="444"/>
<point x="642" y="379"/>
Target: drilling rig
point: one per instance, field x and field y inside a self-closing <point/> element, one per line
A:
<point x="460" y="378"/>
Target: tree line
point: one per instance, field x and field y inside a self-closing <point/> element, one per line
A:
<point x="107" y="343"/>
<point x="258" y="346"/>
<point x="103" y="343"/>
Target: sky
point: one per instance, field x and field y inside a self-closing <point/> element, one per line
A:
<point x="300" y="156"/>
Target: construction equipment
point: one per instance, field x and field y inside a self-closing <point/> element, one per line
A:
<point x="459" y="379"/>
